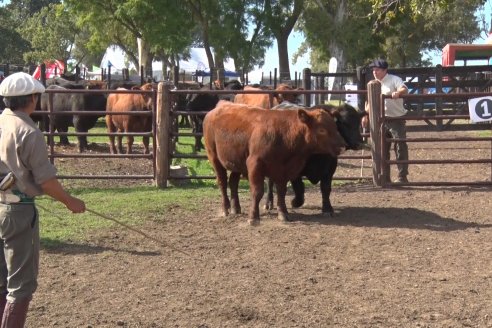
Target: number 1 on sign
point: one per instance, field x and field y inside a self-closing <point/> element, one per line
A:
<point x="486" y="112"/>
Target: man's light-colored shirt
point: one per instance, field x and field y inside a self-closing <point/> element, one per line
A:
<point x="23" y="151"/>
<point x="389" y="84"/>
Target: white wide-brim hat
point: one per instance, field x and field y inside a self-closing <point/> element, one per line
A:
<point x="20" y="84"/>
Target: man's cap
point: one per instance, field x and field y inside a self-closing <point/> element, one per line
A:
<point x="20" y="84"/>
<point x="379" y="63"/>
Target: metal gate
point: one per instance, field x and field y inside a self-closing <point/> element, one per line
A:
<point x="479" y="148"/>
<point x="51" y="133"/>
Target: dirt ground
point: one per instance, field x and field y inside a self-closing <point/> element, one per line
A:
<point x="407" y="256"/>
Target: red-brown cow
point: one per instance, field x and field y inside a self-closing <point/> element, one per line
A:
<point x="122" y="102"/>
<point x="265" y="100"/>
<point x="260" y="143"/>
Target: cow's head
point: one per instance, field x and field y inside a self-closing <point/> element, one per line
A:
<point x="96" y="85"/>
<point x="148" y="97"/>
<point x="201" y="101"/>
<point x="322" y="134"/>
<point x="233" y="85"/>
<point x="348" y="124"/>
<point x="290" y="97"/>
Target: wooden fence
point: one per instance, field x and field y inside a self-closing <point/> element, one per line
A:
<point x="162" y="134"/>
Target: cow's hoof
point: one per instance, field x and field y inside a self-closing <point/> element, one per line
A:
<point x="268" y="206"/>
<point x="283" y="217"/>
<point x="254" y="222"/>
<point x="297" y="202"/>
<point x="236" y="211"/>
<point x="329" y="213"/>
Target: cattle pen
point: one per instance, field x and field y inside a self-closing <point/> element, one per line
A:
<point x="50" y="132"/>
<point x="164" y="133"/>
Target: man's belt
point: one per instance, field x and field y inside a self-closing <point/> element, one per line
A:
<point x="24" y="198"/>
<point x="9" y="196"/>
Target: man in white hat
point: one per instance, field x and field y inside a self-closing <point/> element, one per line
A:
<point x="28" y="173"/>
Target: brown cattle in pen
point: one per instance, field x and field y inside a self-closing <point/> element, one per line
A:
<point x="122" y="102"/>
<point x="265" y="100"/>
<point x="258" y="143"/>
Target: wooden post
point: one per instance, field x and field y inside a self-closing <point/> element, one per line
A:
<point x="439" y="78"/>
<point x="43" y="74"/>
<point x="162" y="164"/>
<point x="126" y="74"/>
<point x="176" y="76"/>
<point x="374" y="102"/>
<point x="109" y="77"/>
<point x="306" y="85"/>
<point x="321" y="86"/>
<point x="275" y="78"/>
<point x="77" y="73"/>
<point x="361" y="85"/>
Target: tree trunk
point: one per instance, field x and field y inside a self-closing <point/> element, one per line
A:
<point x="337" y="52"/>
<point x="283" y="57"/>
<point x="219" y="69"/>
<point x="335" y="49"/>
<point x="145" y="57"/>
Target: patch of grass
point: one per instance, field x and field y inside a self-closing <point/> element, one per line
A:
<point x="484" y="133"/>
<point x="129" y="205"/>
<point x="100" y="127"/>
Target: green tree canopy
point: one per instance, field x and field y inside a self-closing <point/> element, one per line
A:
<point x="402" y="31"/>
<point x="51" y="33"/>
<point x="12" y="44"/>
<point x="163" y="26"/>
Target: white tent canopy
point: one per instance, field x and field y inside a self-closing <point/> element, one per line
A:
<point x="115" y="57"/>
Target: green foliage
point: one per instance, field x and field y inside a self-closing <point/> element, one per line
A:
<point x="402" y="31"/>
<point x="24" y="9"/>
<point x="353" y="31"/>
<point x="163" y="24"/>
<point x="280" y="18"/>
<point x="332" y="31"/>
<point x="12" y="44"/>
<point x="51" y="33"/>
<point x="417" y="26"/>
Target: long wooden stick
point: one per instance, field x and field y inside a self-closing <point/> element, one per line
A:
<point x="136" y="230"/>
<point x="160" y="242"/>
<point x="362" y="162"/>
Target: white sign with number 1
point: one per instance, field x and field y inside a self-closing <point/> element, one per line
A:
<point x="480" y="109"/>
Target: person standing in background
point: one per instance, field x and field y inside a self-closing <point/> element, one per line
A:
<point x="393" y="86"/>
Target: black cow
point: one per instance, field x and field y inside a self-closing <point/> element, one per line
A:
<point x="231" y="85"/>
<point x="322" y="167"/>
<point x="65" y="83"/>
<point x="66" y="102"/>
<point x="201" y="102"/>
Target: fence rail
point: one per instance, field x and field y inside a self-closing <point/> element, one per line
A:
<point x="162" y="134"/>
